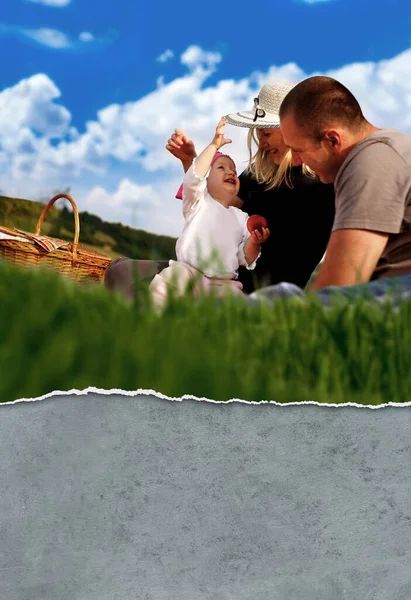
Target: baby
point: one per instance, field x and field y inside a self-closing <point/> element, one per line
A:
<point x="215" y="240"/>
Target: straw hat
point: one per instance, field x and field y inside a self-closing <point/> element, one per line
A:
<point x="266" y="107"/>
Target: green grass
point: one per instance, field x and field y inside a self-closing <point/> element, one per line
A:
<point x="56" y="335"/>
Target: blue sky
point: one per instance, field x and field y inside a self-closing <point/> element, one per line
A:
<point x="90" y="91"/>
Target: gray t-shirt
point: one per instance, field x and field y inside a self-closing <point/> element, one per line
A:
<point x="373" y="191"/>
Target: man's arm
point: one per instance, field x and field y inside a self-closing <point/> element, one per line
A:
<point x="370" y="198"/>
<point x="351" y="257"/>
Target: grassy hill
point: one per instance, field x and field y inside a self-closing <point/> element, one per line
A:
<point x="112" y="239"/>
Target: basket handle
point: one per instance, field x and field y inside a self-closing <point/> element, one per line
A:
<point x="76" y="218"/>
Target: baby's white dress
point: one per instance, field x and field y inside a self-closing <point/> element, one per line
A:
<point x="211" y="247"/>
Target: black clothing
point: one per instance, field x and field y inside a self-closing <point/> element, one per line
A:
<point x="300" y="221"/>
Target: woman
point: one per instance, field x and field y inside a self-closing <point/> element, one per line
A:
<point x="299" y="209"/>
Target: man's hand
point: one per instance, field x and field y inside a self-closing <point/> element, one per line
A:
<point x="181" y="147"/>
<point x="219" y="140"/>
<point x="351" y="257"/>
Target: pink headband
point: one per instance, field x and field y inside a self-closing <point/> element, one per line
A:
<point x="179" y="194"/>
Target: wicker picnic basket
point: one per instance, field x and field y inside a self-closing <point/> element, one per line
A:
<point x="69" y="259"/>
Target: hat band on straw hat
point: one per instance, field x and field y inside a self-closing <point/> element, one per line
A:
<point x="259" y="112"/>
<point x="248" y="119"/>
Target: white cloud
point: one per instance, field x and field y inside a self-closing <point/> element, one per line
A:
<point x="29" y="106"/>
<point x="30" y="121"/>
<point x="129" y="201"/>
<point x="195" y="57"/>
<point x="167" y="54"/>
<point x="38" y="143"/>
<point x="53" y="38"/>
<point x="86" y="36"/>
<point x="56" y="3"/>
<point x="136" y="132"/>
<point x="383" y="89"/>
<point x="127" y="194"/>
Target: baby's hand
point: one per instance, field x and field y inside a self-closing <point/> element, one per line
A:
<point x="259" y="236"/>
<point x="219" y="140"/>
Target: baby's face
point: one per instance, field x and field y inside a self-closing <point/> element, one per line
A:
<point x="223" y="178"/>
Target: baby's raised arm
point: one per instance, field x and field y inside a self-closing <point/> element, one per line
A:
<point x="203" y="161"/>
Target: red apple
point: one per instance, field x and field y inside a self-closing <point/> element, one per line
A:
<point x="256" y="222"/>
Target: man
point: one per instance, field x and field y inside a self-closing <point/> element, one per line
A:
<point x="323" y="125"/>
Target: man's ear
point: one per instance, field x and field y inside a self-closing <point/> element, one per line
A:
<point x="333" y="138"/>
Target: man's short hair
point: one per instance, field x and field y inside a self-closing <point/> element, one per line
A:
<point x="319" y="102"/>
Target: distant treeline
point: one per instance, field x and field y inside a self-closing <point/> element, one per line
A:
<point x="113" y="239"/>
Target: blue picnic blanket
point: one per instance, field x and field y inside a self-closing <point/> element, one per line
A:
<point x="395" y="288"/>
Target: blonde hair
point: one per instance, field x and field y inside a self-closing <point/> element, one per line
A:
<point x="262" y="168"/>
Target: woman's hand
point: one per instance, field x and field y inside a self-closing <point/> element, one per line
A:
<point x="219" y="140"/>
<point x="237" y="202"/>
<point x="181" y="147"/>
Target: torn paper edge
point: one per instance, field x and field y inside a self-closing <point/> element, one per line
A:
<point x="144" y="392"/>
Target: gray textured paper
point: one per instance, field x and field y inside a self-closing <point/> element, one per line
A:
<point x="118" y="498"/>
